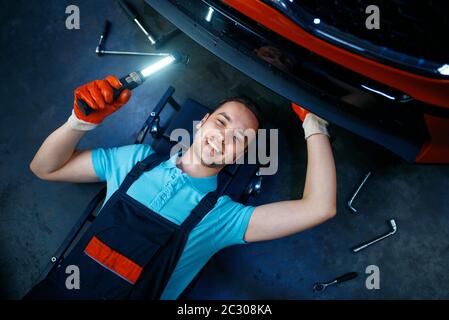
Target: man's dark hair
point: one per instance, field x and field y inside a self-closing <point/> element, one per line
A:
<point x="248" y="103"/>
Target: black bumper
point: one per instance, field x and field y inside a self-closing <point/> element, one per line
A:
<point x="223" y="45"/>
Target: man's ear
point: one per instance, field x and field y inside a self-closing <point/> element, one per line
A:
<point x="200" y="124"/>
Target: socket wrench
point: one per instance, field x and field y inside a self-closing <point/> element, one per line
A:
<point x="394" y="228"/>
<point x="101" y="51"/>
<point x="321" y="286"/>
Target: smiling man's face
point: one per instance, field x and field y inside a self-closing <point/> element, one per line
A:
<point x="222" y="136"/>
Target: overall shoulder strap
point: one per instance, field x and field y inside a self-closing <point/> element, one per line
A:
<point x="150" y="162"/>
<point x="202" y="208"/>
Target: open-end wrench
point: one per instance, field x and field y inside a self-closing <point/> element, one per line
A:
<point x="394" y="228"/>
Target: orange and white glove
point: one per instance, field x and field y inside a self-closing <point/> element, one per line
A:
<point x="311" y="123"/>
<point x="99" y="96"/>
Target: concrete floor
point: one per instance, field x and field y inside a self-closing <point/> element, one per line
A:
<point x="43" y="62"/>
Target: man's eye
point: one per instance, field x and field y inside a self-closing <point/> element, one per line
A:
<point x="220" y="122"/>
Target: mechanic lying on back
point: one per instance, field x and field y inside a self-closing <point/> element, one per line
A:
<point x="153" y="247"/>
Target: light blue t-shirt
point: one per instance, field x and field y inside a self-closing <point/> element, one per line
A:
<point x="172" y="193"/>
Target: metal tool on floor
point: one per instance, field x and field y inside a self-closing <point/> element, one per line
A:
<point x="394" y="228"/>
<point x="350" y="202"/>
<point x="321" y="286"/>
<point x="130" y="12"/>
<point x="136" y="78"/>
<point x="101" y="51"/>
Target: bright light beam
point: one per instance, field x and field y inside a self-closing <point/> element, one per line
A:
<point x="444" y="70"/>
<point x="209" y="14"/>
<point x="378" y="92"/>
<point x="161" y="64"/>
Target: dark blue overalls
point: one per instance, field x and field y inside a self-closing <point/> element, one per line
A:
<point x="129" y="251"/>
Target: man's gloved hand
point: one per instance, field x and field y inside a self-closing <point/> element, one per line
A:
<point x="311" y="123"/>
<point x="99" y="96"/>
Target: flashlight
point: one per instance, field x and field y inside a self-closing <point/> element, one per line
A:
<point x="135" y="79"/>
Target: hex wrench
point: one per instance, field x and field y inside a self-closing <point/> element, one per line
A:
<point x="394" y="228"/>
<point x="350" y="206"/>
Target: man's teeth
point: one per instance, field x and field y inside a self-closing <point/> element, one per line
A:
<point x="214" y="146"/>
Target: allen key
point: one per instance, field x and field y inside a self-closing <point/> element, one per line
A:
<point x="350" y="206"/>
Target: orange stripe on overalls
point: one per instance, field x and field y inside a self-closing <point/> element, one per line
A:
<point x="113" y="260"/>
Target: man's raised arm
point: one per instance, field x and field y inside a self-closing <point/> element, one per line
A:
<point x="318" y="203"/>
<point x="57" y="159"/>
